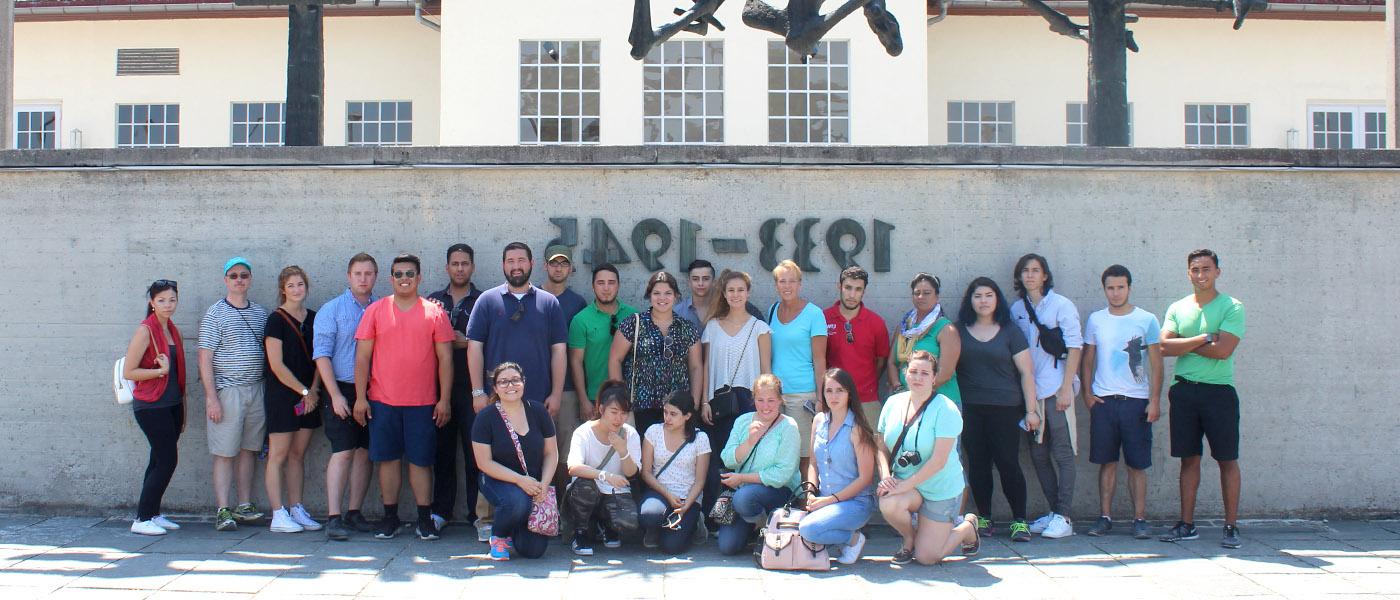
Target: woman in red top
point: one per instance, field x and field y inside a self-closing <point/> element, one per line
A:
<point x="157" y="352"/>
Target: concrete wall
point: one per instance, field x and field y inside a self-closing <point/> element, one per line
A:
<point x="1301" y="247"/>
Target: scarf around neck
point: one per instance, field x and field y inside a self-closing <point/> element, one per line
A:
<point x="910" y="332"/>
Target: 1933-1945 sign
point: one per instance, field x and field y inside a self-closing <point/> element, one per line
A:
<point x="845" y="240"/>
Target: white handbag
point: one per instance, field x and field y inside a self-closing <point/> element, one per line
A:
<point x="123" y="387"/>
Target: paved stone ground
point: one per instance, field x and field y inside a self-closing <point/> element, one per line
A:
<point x="81" y="557"/>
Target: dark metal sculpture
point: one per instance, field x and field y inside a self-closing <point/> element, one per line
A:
<point x="800" y="22"/>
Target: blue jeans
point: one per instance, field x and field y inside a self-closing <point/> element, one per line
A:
<point x="750" y="502"/>
<point x="653" y="515"/>
<point x="512" y="507"/>
<point x="834" y="524"/>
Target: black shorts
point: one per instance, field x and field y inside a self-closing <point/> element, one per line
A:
<point x="344" y="434"/>
<point x="1120" y="423"/>
<point x="281" y="415"/>
<point x="1204" y="409"/>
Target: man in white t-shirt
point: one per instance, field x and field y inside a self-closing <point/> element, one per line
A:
<point x="1122" y="375"/>
<point x="602" y="454"/>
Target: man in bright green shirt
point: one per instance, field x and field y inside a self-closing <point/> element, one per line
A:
<point x="1203" y="330"/>
<point x="591" y="335"/>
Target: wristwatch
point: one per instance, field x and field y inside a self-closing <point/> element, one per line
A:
<point x="305" y="392"/>
<point x="602" y="477"/>
<point x="476" y="393"/>
<point x="1211" y="337"/>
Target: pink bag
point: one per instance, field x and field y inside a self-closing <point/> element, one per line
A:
<point x="544" y="516"/>
<point x="783" y="548"/>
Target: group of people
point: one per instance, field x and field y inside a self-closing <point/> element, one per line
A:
<point x="645" y="398"/>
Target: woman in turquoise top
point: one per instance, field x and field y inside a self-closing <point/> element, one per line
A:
<point x="843" y="466"/>
<point x="920" y="471"/>
<point x="925" y="328"/>
<point x="762" y="451"/>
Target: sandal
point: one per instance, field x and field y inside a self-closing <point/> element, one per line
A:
<point x="976" y="546"/>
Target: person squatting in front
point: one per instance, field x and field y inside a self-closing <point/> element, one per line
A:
<point x="763" y="455"/>
<point x="517" y="451"/>
<point x="843" y="467"/>
<point x="603" y="454"/>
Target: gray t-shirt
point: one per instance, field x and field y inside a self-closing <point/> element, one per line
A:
<point x="235" y="336"/>
<point x="987" y="375"/>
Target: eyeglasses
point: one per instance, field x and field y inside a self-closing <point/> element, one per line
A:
<point x="519" y="311"/>
<point x="922" y="293"/>
<point x="673" y="521"/>
<point x="612" y="325"/>
<point x="404" y="274"/>
<point x="240" y="275"/>
<point x="512" y="382"/>
<point x="850" y="336"/>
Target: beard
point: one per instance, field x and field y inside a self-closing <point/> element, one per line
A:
<point x="518" y="280"/>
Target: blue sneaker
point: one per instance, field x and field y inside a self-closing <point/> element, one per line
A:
<point x="499" y="549"/>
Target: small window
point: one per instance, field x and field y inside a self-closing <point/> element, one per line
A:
<point x="148" y="125"/>
<point x="36" y="128"/>
<point x="560" y="92"/>
<point x="1077" y="124"/>
<point x="382" y="123"/>
<point x="258" y="124"/>
<point x="809" y="102"/>
<point x="982" y="123"/>
<point x="1217" y="125"/>
<point x="683" y="93"/>
<point x="148" y="61"/>
<point x="1346" y="127"/>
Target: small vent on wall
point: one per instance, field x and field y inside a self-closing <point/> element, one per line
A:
<point x="148" y="61"/>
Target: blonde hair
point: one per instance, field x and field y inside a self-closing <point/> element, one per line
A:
<point x="282" y="278"/>
<point x="787" y="265"/>
<point x="768" y="380"/>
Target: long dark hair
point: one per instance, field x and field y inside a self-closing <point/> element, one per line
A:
<point x="683" y="402"/>
<point x="844" y="379"/>
<point x="158" y="286"/>
<point x="1021" y="264"/>
<point x="967" y="316"/>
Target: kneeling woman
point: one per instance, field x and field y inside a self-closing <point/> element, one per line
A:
<point x="675" y="462"/>
<point x="920" y="470"/>
<point x="513" y="442"/>
<point x="603" y="453"/>
<point x="843" y="465"/>
<point x="763" y="453"/>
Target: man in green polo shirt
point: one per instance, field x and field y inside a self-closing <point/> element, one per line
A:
<point x="1203" y="330"/>
<point x="591" y="335"/>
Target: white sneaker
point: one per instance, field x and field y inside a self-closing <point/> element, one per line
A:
<point x="165" y="523"/>
<point x="1059" y="527"/>
<point x="1039" y="525"/>
<point x="851" y="553"/>
<point x="438" y="521"/>
<point x="147" y="528"/>
<point x="304" y="519"/>
<point x="282" y="522"/>
<point x="483" y="532"/>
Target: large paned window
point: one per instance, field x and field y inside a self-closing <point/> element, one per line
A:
<point x="982" y="123"/>
<point x="560" y="92"/>
<point x="683" y="93"/>
<point x="148" y="125"/>
<point x="809" y="103"/>
<point x="379" y="123"/>
<point x="1217" y="125"/>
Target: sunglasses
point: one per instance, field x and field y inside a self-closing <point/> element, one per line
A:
<point x="673" y="521"/>
<point x="240" y="275"/>
<point x="612" y="325"/>
<point x="519" y="312"/>
<point x="404" y="274"/>
<point x="850" y="336"/>
<point x="166" y="283"/>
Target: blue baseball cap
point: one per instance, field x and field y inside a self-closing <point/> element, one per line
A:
<point x="235" y="261"/>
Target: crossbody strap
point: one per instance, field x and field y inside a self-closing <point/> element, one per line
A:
<point x="754" y="450"/>
<point x="740" y="362"/>
<point x="899" y="442"/>
<point x="636" y="341"/>
<point x="514" y="438"/>
<point x="674" y="455"/>
<point x="291" y="323"/>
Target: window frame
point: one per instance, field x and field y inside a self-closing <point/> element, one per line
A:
<point x="1214" y="126"/>
<point x="963" y="122"/>
<point x="538" y="117"/>
<point x="282" y="124"/>
<point x="1359" y="132"/>
<point x="378" y="121"/>
<point x="1084" y="123"/>
<point x="56" y="109"/>
<point x="165" y="125"/>
<point x="808" y="92"/>
<point x="656" y="60"/>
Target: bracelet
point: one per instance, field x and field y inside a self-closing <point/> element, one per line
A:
<point x="623" y="458"/>
<point x="833" y="495"/>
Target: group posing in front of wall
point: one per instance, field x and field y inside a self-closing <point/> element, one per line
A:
<point x="787" y="397"/>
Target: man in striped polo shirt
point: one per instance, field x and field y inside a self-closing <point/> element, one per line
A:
<point x="231" y="365"/>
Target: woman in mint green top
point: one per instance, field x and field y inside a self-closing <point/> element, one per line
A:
<point x="919" y="469"/>
<point x="925" y="328"/>
<point x="762" y="454"/>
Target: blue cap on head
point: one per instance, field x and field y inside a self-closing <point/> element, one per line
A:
<point x="235" y="261"/>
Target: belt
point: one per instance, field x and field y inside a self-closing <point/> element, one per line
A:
<point x="1180" y="379"/>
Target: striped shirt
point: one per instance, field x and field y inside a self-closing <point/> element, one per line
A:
<point x="235" y="336"/>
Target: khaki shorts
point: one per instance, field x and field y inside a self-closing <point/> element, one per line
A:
<point x="794" y="405"/>
<point x="564" y="424"/>
<point x="243" y="425"/>
<point x="872" y="412"/>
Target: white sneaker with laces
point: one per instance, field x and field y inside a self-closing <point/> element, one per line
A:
<point x="1039" y="525"/>
<point x="147" y="528"/>
<point x="165" y="523"/>
<point x="304" y="519"/>
<point x="851" y="553"/>
<point x="282" y="522"/>
<point x="1058" y="527"/>
<point x="438" y="521"/>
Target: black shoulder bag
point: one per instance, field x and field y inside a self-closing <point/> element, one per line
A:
<point x="1051" y="339"/>
<point x="724" y="404"/>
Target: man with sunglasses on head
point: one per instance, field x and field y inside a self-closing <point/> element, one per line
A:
<point x="591" y="335"/>
<point x="403" y="390"/>
<point x="857" y="339"/>
<point x="520" y="323"/>
<point x="457" y="300"/>
<point x="559" y="265"/>
<point x="232" y="362"/>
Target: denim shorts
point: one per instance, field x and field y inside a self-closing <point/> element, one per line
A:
<point x="942" y="511"/>
<point x="399" y="432"/>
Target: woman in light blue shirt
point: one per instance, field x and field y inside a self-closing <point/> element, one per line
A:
<point x="799" y="349"/>
<point x="843" y="466"/>
<point x="920" y="471"/>
<point x="762" y="451"/>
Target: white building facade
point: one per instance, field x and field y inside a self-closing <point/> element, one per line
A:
<point x="106" y="73"/>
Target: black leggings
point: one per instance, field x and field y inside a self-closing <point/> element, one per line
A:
<point x="992" y="435"/>
<point x="162" y="428"/>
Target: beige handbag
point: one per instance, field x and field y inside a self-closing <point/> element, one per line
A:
<point x="782" y="548"/>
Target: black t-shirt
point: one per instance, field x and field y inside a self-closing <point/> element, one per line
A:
<point x="293" y="354"/>
<point x="490" y="429"/>
<point x="458" y="314"/>
<point x="987" y="374"/>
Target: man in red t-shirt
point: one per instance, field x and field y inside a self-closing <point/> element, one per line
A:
<point x="402" y="340"/>
<point x="857" y="339"/>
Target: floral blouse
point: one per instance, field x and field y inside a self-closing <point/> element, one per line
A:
<point x="662" y="364"/>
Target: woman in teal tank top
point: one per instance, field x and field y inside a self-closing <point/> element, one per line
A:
<point x="925" y="328"/>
